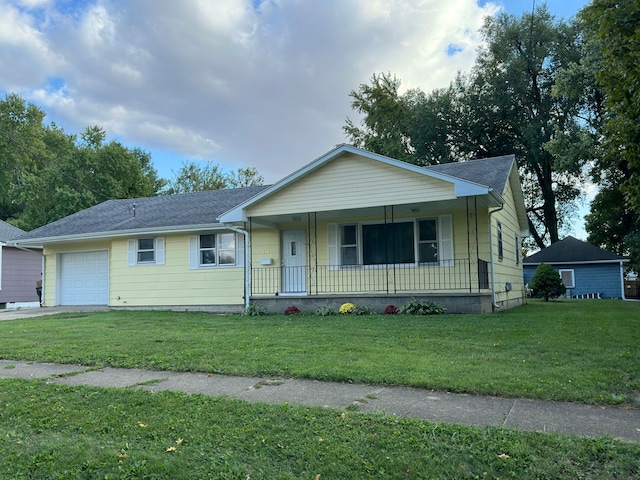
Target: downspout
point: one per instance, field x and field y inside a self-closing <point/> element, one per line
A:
<point x="493" y="275"/>
<point x="247" y="271"/>
<point x="42" y="277"/>
<point x="622" y="279"/>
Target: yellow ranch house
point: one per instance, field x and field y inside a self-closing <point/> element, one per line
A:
<point x="349" y="226"/>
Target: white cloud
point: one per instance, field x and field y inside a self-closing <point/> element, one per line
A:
<point x="245" y="83"/>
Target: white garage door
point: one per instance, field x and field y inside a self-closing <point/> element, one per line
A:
<point x="84" y="278"/>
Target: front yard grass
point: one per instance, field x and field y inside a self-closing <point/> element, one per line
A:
<point x="575" y="350"/>
<point x="50" y="431"/>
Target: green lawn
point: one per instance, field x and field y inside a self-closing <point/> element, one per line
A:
<point x="575" y="350"/>
<point x="59" y="432"/>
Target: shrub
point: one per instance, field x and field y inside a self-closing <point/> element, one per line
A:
<point x="347" y="308"/>
<point x="325" y="310"/>
<point x="422" y="307"/>
<point x="254" y="310"/>
<point x="363" y="310"/>
<point x="546" y="283"/>
<point x="390" y="310"/>
<point x="292" y="310"/>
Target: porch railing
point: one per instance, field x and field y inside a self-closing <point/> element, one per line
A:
<point x="449" y="275"/>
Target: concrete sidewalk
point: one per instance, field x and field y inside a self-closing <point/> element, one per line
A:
<point x="531" y="415"/>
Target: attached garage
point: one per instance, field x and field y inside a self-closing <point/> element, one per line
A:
<point x="84" y="278"/>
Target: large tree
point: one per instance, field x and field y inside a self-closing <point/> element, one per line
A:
<point x="612" y="32"/>
<point x="21" y="144"/>
<point x="47" y="174"/>
<point x="505" y="105"/>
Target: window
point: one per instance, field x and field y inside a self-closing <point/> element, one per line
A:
<point x="567" y="278"/>
<point x="413" y="241"/>
<point x="517" y="242"/>
<point x="348" y="245"/>
<point x="216" y="249"/>
<point x="388" y="243"/>
<point x="146" y="251"/>
<point x="226" y="248"/>
<point x="428" y="240"/>
<point x="500" y="247"/>
<point x="207" y="249"/>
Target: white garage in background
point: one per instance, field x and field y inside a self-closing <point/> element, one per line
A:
<point x="84" y="278"/>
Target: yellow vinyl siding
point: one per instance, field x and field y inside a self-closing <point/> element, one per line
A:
<point x="265" y="244"/>
<point x="173" y="283"/>
<point x="506" y="270"/>
<point x="354" y="182"/>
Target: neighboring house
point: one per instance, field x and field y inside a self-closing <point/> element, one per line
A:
<point x="350" y="226"/>
<point x="586" y="270"/>
<point x="20" y="269"/>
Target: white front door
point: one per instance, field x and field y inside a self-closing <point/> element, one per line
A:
<point x="294" y="261"/>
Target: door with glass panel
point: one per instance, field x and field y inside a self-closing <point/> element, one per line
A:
<point x="294" y="261"/>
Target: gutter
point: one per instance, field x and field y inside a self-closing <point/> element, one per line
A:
<point x="247" y="270"/>
<point x="493" y="275"/>
<point x="15" y="245"/>
<point x="119" y="233"/>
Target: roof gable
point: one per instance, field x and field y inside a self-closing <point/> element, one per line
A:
<point x="355" y="181"/>
<point x="572" y="250"/>
<point x="461" y="186"/>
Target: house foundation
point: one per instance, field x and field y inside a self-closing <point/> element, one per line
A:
<point x="453" y="302"/>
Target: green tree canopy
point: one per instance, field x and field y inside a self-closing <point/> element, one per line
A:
<point x="48" y="174"/>
<point x="193" y="177"/>
<point x="505" y="105"/>
<point x="612" y="53"/>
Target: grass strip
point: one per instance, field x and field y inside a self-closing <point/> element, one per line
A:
<point x="53" y="431"/>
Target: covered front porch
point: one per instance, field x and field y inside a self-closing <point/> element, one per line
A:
<point x="375" y="257"/>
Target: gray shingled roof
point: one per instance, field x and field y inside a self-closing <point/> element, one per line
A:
<point x="571" y="250"/>
<point x="166" y="211"/>
<point x="9" y="232"/>
<point x="492" y="172"/>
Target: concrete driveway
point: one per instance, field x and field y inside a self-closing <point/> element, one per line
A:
<point x="39" y="312"/>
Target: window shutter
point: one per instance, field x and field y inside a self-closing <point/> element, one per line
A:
<point x="194" y="261"/>
<point x="132" y="253"/>
<point x="240" y="250"/>
<point x="332" y="242"/>
<point x="446" y="240"/>
<point x="159" y="250"/>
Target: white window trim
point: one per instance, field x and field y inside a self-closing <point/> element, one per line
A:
<point x="194" y="252"/>
<point x="158" y="249"/>
<point x="444" y="237"/>
<point x="573" y="276"/>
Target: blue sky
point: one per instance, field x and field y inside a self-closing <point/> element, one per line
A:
<point x="241" y="83"/>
